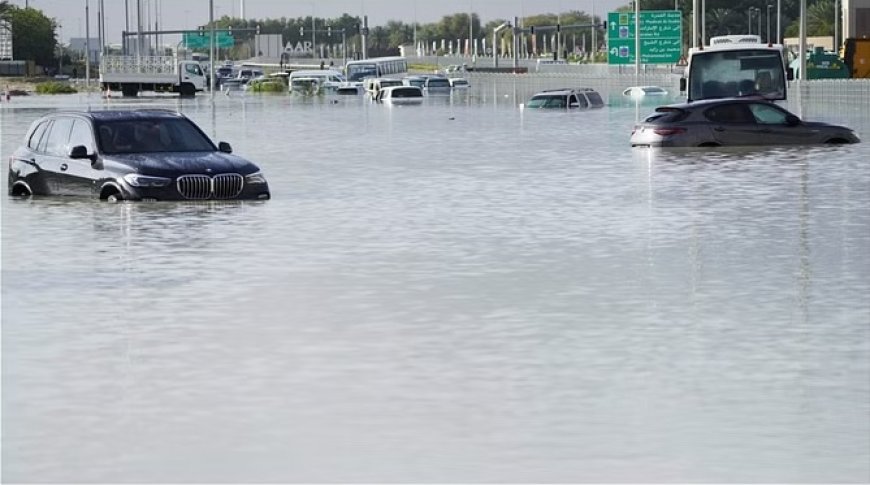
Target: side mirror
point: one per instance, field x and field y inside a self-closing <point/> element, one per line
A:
<point x="682" y="84"/>
<point x="79" y="152"/>
<point x="789" y="75"/>
<point x="792" y="120"/>
<point x="225" y="147"/>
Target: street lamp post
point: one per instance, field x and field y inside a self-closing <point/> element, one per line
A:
<point x="749" y="20"/>
<point x="758" y="16"/>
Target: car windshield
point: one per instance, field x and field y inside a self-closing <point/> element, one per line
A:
<point x="358" y="72"/>
<point x="151" y="135"/>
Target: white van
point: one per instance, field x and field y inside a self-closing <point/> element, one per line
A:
<point x="400" y="95"/>
<point x="327" y="79"/>
<point x="374" y="84"/>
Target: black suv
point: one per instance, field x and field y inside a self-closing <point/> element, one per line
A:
<point x="129" y="155"/>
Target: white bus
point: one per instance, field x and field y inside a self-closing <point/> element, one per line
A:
<point x="391" y="67"/>
<point x="736" y="65"/>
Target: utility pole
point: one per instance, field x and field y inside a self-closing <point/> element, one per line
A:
<point x="87" y="44"/>
<point x="126" y="26"/>
<point x="211" y="48"/>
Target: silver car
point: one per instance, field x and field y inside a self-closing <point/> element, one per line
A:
<point x="733" y="122"/>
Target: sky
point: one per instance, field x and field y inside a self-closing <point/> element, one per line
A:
<point x="187" y="14"/>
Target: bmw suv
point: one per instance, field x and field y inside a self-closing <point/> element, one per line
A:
<point x="129" y="155"/>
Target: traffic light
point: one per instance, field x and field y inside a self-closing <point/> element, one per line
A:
<point x="202" y="31"/>
<point x="301" y="31"/>
<point x="329" y="30"/>
<point x="604" y="25"/>
<point x="532" y="30"/>
<point x="258" y="29"/>
<point x="558" y="27"/>
<point x="230" y="31"/>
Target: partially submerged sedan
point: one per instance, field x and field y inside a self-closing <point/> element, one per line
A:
<point x="733" y="122"/>
<point x="129" y="155"/>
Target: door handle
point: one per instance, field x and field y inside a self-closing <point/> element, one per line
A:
<point x="63" y="167"/>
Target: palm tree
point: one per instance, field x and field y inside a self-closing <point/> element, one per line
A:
<point x="5" y="8"/>
<point x="723" y="21"/>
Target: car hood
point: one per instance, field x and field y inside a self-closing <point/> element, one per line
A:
<point x="173" y="164"/>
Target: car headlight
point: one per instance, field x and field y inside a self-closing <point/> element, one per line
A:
<point x="255" y="178"/>
<point x="137" y="180"/>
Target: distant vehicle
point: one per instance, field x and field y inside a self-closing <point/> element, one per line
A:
<point x="241" y="78"/>
<point x="566" y="98"/>
<point x="374" y="84"/>
<point x="544" y="63"/>
<point x="327" y="79"/>
<point x="733" y="122"/>
<point x="304" y="85"/>
<point x="639" y="91"/>
<point x="132" y="74"/>
<point x="736" y="65"/>
<point x="129" y="155"/>
<point x="459" y="82"/>
<point x="221" y="73"/>
<point x="382" y="67"/>
<point x="419" y="81"/>
<point x="400" y="95"/>
<point x="437" y="85"/>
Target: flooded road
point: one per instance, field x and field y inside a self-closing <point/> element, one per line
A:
<point x="459" y="291"/>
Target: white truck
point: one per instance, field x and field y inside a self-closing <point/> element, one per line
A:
<point x="131" y="74"/>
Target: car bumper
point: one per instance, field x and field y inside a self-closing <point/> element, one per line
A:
<point x="171" y="192"/>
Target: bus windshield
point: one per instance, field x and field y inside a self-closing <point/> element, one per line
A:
<point x="743" y="72"/>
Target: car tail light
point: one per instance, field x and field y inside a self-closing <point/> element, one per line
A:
<point x="669" y="131"/>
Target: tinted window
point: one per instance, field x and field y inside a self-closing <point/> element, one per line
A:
<point x="81" y="135"/>
<point x="406" y="93"/>
<point x="438" y="83"/>
<point x="33" y="142"/>
<point x="730" y="113"/>
<point x="58" y="137"/>
<point x="768" y="115"/>
<point x="152" y="135"/>
<point x="594" y="98"/>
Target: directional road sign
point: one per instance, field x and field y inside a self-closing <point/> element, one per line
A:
<point x="223" y="39"/>
<point x="661" y="37"/>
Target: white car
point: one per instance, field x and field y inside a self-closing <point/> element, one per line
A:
<point x="639" y="91"/>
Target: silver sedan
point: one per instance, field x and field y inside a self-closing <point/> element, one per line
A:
<point x="733" y="122"/>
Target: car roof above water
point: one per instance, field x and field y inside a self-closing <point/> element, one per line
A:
<point x="123" y="115"/>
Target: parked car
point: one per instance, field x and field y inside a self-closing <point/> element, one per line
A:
<point x="733" y="122"/>
<point x="566" y="98"/>
<point x="419" y="81"/>
<point x="437" y="85"/>
<point x="640" y="91"/>
<point x="129" y="155"/>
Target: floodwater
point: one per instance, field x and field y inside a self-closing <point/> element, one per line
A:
<point x="458" y="291"/>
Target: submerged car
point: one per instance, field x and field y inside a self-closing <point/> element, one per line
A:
<point x="400" y="95"/>
<point x="566" y="98"/>
<point x="129" y="155"/>
<point x="733" y="122"/>
<point x="640" y="91"/>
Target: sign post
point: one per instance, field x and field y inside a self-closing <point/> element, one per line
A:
<point x="661" y="37"/>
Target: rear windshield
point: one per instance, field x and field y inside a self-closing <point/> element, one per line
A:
<point x="667" y="115"/>
<point x="406" y="93"/>
<point x="438" y="83"/>
<point x="594" y="98"/>
<point x="151" y="135"/>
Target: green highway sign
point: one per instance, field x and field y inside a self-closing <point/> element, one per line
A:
<point x="661" y="37"/>
<point x="223" y="39"/>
